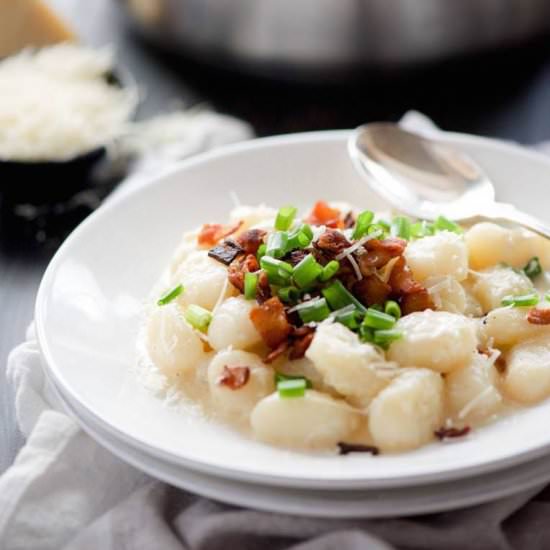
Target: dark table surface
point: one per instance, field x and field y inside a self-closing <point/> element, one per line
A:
<point x="504" y="94"/>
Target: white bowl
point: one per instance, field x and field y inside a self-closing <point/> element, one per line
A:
<point x="90" y="302"/>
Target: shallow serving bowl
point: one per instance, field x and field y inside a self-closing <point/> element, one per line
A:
<point x="89" y="310"/>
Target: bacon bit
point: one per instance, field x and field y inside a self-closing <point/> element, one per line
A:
<point x="346" y="448"/>
<point x="251" y="240"/>
<point x="539" y="316"/>
<point x="271" y="322"/>
<point x="349" y="220"/>
<point x="240" y="266"/>
<point x="281" y="349"/>
<point x="416" y="301"/>
<point x="401" y="279"/>
<point x="263" y="291"/>
<point x="500" y="364"/>
<point x="225" y="252"/>
<point x="234" y="377"/>
<point x="332" y="242"/>
<point x="379" y="253"/>
<point x="451" y="433"/>
<point x="211" y="233"/>
<point x="371" y="290"/>
<point x="295" y="257"/>
<point x="300" y="345"/>
<point x="323" y="214"/>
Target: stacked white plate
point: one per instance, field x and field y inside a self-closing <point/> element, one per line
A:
<point x="89" y="312"/>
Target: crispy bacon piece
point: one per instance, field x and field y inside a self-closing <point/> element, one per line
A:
<point x="295" y="257"/>
<point x="212" y="233"/>
<point x="323" y="214"/>
<point x="281" y="349"/>
<point x="270" y="321"/>
<point x="349" y="220"/>
<point x="500" y="364"/>
<point x="379" y="253"/>
<point x="346" y="448"/>
<point x="332" y="242"/>
<point x="225" y="252"/>
<point x="451" y="433"/>
<point x="240" y="266"/>
<point x="301" y="340"/>
<point x="234" y="377"/>
<point x="401" y="279"/>
<point x="371" y="290"/>
<point x="263" y="290"/>
<point x="416" y="301"/>
<point x="251" y="240"/>
<point x="539" y="316"/>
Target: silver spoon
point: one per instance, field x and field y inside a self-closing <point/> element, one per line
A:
<point x="426" y="178"/>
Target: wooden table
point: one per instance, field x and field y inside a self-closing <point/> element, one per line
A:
<point x="504" y="94"/>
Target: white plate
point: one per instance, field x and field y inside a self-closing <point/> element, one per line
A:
<point x="89" y="303"/>
<point x="374" y="503"/>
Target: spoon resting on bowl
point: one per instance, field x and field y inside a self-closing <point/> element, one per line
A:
<point x="426" y="178"/>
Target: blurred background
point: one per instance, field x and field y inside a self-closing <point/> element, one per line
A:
<point x="479" y="66"/>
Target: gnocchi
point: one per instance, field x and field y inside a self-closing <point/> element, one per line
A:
<point x="344" y="330"/>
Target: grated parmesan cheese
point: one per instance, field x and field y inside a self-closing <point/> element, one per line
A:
<point x="56" y="103"/>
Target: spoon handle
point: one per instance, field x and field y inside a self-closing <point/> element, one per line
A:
<point x="503" y="212"/>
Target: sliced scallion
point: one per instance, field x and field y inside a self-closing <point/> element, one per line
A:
<point x="384" y="338"/>
<point x="349" y="317"/>
<point x="362" y="224"/>
<point x="392" y="308"/>
<point x="262" y="249"/>
<point x="329" y="271"/>
<point x="285" y="217"/>
<point x="547" y="296"/>
<point x="250" y="285"/>
<point x="292" y="388"/>
<point x="300" y="237"/>
<point x="421" y="229"/>
<point x="315" y="310"/>
<point x="401" y="227"/>
<point x="280" y="377"/>
<point x="198" y="317"/>
<point x="533" y="268"/>
<point x="378" y="320"/>
<point x="366" y="334"/>
<point x="170" y="295"/>
<point x="306" y="271"/>
<point x="277" y="244"/>
<point x="531" y="299"/>
<point x="288" y="294"/>
<point x="278" y="272"/>
<point x="338" y="296"/>
<point x="443" y="224"/>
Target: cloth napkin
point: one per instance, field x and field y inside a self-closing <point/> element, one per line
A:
<point x="64" y="491"/>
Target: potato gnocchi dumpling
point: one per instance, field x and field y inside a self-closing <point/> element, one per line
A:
<point x="437" y="340"/>
<point x="346" y="330"/>
<point x="406" y="414"/>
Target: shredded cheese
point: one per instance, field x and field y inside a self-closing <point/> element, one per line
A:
<point x="356" y="245"/>
<point x="472" y="404"/>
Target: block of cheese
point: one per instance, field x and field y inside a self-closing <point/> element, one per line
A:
<point x="27" y="23"/>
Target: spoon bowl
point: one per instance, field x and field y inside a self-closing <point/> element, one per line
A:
<point x="426" y="178"/>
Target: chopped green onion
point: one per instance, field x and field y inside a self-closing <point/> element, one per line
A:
<point x="349" y="316"/>
<point x="277" y="244"/>
<point x="377" y="230"/>
<point x="421" y="229"/>
<point x="378" y="319"/>
<point x="292" y="388"/>
<point x="288" y="294"/>
<point x="401" y="227"/>
<point x="280" y="377"/>
<point x="531" y="299"/>
<point x="338" y="297"/>
<point x="285" y="217"/>
<point x="329" y="271"/>
<point x="313" y="311"/>
<point x="384" y="338"/>
<point x="443" y="224"/>
<point x="250" y="285"/>
<point x="366" y="334"/>
<point x="170" y="295"/>
<point x="278" y="272"/>
<point x="362" y="224"/>
<point x="262" y="249"/>
<point x="198" y="317"/>
<point x="392" y="308"/>
<point x="547" y="296"/>
<point x="307" y="271"/>
<point x="300" y="238"/>
<point x="533" y="268"/>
